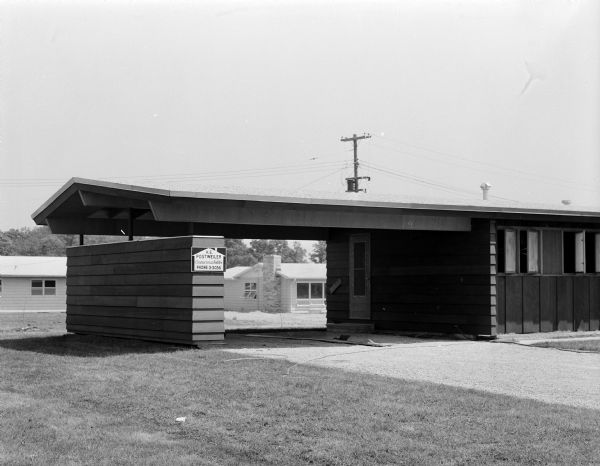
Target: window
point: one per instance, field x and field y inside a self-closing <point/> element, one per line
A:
<point x="573" y="252"/>
<point x="250" y="290"/>
<point x="533" y="252"/>
<point x="510" y="251"/>
<point x="518" y="251"/>
<point x="50" y="287"/>
<point x="43" y="287"/>
<point x="316" y="291"/>
<point x="37" y="287"/>
<point x="302" y="291"/>
<point x="306" y="290"/>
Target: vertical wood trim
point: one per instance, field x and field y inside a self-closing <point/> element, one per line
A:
<point x="501" y="305"/>
<point x="514" y="304"/>
<point x="493" y="271"/>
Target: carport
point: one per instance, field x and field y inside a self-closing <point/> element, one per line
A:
<point x="482" y="268"/>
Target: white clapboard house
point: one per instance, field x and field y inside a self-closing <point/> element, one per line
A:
<point x="35" y="283"/>
<point x="272" y="286"/>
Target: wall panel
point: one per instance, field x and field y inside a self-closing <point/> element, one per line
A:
<point x="145" y="290"/>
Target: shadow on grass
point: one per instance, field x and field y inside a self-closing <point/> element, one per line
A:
<point x="86" y="345"/>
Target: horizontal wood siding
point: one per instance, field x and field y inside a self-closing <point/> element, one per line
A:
<point x="421" y="280"/>
<point x="338" y="265"/>
<point x="144" y="290"/>
<point x="16" y="295"/>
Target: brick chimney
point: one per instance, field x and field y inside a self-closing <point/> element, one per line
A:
<point x="271" y="283"/>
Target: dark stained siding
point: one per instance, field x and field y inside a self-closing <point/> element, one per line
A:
<point x="514" y="304"/>
<point x="433" y="281"/>
<point x="551" y="251"/>
<point x="595" y="303"/>
<point x="338" y="265"/>
<point x="421" y="280"/>
<point x="564" y="303"/>
<point x="531" y="304"/>
<point x="581" y="303"/>
<point x="547" y="304"/>
<point x="145" y="290"/>
<point x="501" y="306"/>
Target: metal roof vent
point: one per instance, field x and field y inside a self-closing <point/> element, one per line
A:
<point x="485" y="187"/>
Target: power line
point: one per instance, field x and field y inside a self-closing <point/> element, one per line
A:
<point x="433" y="184"/>
<point x="512" y="170"/>
<point x="320" y="178"/>
<point x="254" y="172"/>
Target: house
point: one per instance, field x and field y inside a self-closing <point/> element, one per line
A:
<point x="273" y="286"/>
<point x="482" y="267"/>
<point x="33" y="283"/>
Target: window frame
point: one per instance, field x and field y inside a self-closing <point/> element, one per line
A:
<point x="250" y="290"/>
<point x="37" y="287"/>
<point x="309" y="285"/>
<point x="48" y="289"/>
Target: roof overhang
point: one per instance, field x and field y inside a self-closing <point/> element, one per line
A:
<point x="85" y="206"/>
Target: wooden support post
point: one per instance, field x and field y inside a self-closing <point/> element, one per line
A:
<point x="130" y="224"/>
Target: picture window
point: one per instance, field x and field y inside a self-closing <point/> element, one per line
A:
<point x="308" y="290"/>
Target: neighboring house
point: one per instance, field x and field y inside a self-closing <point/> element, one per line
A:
<point x="271" y="286"/>
<point x="33" y="283"/>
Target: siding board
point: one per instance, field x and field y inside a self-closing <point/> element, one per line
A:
<point x="581" y="303"/>
<point x="595" y="303"/>
<point x="514" y="304"/>
<point x="136" y="290"/>
<point x="564" y="303"/>
<point x="547" y="304"/>
<point x="500" y="305"/>
<point x="531" y="304"/>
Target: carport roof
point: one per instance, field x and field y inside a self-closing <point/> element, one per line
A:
<point x="100" y="207"/>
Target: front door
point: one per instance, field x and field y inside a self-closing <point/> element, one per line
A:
<point x="360" y="277"/>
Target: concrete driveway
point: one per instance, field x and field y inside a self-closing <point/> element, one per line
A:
<point x="542" y="374"/>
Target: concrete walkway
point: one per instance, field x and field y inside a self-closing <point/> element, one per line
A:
<point x="543" y="374"/>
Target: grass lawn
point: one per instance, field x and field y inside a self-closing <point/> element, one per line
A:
<point x="576" y="345"/>
<point x="233" y="321"/>
<point x="73" y="399"/>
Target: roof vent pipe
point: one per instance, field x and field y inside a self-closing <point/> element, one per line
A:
<point x="485" y="187"/>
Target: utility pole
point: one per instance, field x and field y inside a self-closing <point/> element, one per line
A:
<point x="353" y="181"/>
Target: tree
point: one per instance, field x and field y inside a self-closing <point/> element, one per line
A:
<point x="238" y="253"/>
<point x="319" y="252"/>
<point x="261" y="247"/>
<point x="40" y="241"/>
<point x="294" y="254"/>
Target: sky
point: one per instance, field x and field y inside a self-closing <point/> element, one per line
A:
<point x="248" y="94"/>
